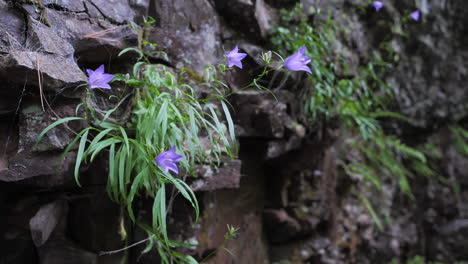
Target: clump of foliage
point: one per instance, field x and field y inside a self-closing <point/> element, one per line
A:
<point x="167" y="113"/>
<point x="357" y="99"/>
<point x="461" y="139"/>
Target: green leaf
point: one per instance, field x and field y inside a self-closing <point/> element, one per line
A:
<point x="112" y="184"/>
<point x="96" y="148"/>
<point x="79" y="155"/>
<point x="132" y="49"/>
<point x="230" y="126"/>
<point x="96" y="139"/>
<point x="374" y="215"/>
<point x="56" y="123"/>
<point x="133" y="190"/>
<point x="159" y="212"/>
<point x="186" y="191"/>
<point x="122" y="162"/>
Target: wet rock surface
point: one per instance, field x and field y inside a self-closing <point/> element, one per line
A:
<point x="287" y="192"/>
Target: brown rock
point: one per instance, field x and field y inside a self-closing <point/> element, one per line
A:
<point x="226" y="177"/>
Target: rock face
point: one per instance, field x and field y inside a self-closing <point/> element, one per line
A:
<point x="287" y="191"/>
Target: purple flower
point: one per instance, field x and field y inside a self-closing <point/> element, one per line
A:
<point x="297" y="61"/>
<point x="377" y="5"/>
<point x="168" y="159"/>
<point x="234" y="57"/>
<point x="415" y="15"/>
<point x="99" y="79"/>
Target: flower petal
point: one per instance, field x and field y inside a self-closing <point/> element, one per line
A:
<point x="172" y="150"/>
<point x="415" y="15"/>
<point x="302" y="50"/>
<point x="234" y="62"/>
<point x="238" y="64"/>
<point x="377" y="5"/>
<point x="106" y="77"/>
<point x="293" y="63"/>
<point x="92" y="78"/>
<point x="238" y="56"/>
<point x="177" y="158"/>
<point x="173" y="168"/>
<point x="305" y="68"/>
<point x="105" y="86"/>
<point x="167" y="160"/>
<point x="100" y="69"/>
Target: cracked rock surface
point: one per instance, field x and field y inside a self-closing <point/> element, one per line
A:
<point x="287" y="190"/>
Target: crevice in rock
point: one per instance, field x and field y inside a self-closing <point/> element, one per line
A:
<point x="57" y="7"/>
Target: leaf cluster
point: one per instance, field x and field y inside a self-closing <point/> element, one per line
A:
<point x="167" y="113"/>
<point x="356" y="98"/>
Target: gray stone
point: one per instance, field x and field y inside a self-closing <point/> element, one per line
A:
<point x="188" y="31"/>
<point x="48" y="41"/>
<point x="75" y="6"/>
<point x="33" y="121"/>
<point x="117" y="11"/>
<point x="260" y="115"/>
<point x="29" y="160"/>
<point x="267" y="17"/>
<point x="57" y="71"/>
<point x="44" y="222"/>
<point x="12" y="26"/>
<point x="26" y="165"/>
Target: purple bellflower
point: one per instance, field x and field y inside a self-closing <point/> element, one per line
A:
<point x="377" y="5"/>
<point x="415" y="15"/>
<point x="234" y="57"/>
<point x="99" y="79"/>
<point x="297" y="61"/>
<point x="167" y="160"/>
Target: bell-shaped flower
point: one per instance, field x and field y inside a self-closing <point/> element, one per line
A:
<point x="415" y="15"/>
<point x="167" y="160"/>
<point x="377" y="5"/>
<point x="234" y="58"/>
<point x="99" y="79"/>
<point x="297" y="61"/>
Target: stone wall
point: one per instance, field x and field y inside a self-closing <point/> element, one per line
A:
<point x="286" y="192"/>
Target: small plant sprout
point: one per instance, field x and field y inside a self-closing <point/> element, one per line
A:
<point x="266" y="57"/>
<point x="99" y="79"/>
<point x="234" y="57"/>
<point x="231" y="233"/>
<point x="377" y="5"/>
<point x="297" y="61"/>
<point x="167" y="160"/>
<point x="415" y="15"/>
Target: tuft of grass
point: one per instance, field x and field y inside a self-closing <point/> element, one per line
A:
<point x="167" y="113"/>
<point x="357" y="99"/>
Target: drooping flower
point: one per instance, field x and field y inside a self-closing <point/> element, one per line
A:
<point x="167" y="160"/>
<point x="297" y="61"/>
<point x="99" y="79"/>
<point x="234" y="57"/>
<point x="377" y="5"/>
<point x="415" y="15"/>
